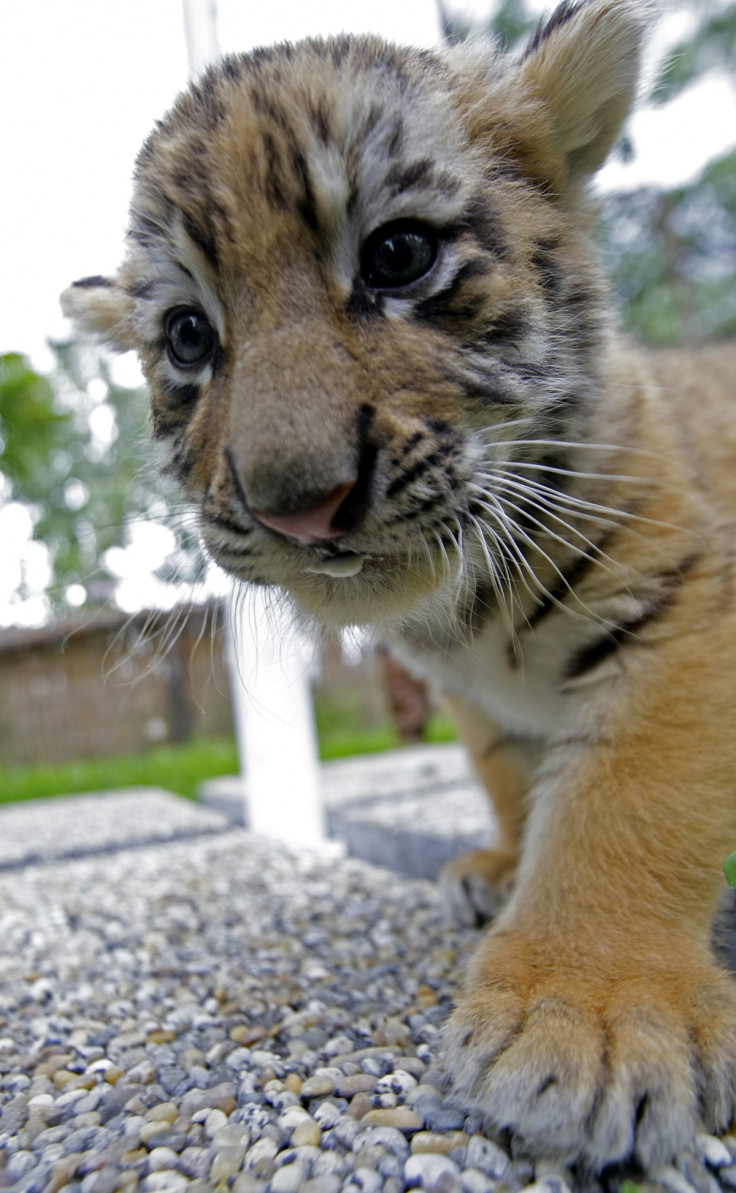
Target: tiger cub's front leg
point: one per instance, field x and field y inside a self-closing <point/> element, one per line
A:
<point x="477" y="884"/>
<point x="595" y="1024"/>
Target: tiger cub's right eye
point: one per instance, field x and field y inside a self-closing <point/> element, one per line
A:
<point x="398" y="254"/>
<point x="190" y="337"/>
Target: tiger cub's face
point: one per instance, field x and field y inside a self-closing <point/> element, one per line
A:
<point x="360" y="283"/>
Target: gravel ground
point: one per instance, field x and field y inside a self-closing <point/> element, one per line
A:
<point x="225" y="1013"/>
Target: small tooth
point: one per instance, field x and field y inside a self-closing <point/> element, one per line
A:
<point x="341" y="565"/>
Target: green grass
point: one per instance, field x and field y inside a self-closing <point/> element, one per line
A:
<point x="177" y="768"/>
<point x="183" y="768"/>
<point x="340" y="735"/>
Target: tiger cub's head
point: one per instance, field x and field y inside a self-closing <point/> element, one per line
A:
<point x="358" y="277"/>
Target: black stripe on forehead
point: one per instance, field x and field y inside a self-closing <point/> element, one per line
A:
<point x="306" y="203"/>
<point x="321" y="118"/>
<point x="287" y="181"/>
<point x="402" y="178"/>
<point x="201" y="233"/>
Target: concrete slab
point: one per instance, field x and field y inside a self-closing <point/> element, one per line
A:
<point x="411" y="809"/>
<point x="76" y="826"/>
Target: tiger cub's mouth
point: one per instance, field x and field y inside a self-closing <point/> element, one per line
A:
<point x="338" y="564"/>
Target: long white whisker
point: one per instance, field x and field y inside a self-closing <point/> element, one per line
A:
<point x="589" y="614"/>
<point x="488" y="433"/>
<point x="540" y="500"/>
<point x="504" y="593"/>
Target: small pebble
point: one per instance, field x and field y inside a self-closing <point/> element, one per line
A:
<point x="346" y="1087"/>
<point x="485" y="1155"/>
<point x="389" y="1138"/>
<point x="226" y="1163"/>
<point x="360" y="1105"/>
<point x="472" y="1180"/>
<point x="327" y="1114"/>
<point x="260" y="1155"/>
<point x="715" y="1153"/>
<point x="428" y="1169"/>
<point x="433" y="1141"/>
<point x="149" y="1130"/>
<point x="402" y="1117"/>
<point x="306" y="1135"/>
<point x="162" y="1157"/>
<point x="321" y="1184"/>
<point x="291" y="1174"/>
<point x="315" y="1087"/>
<point x="365" y="1180"/>
<point x="165" y="1181"/>
<point x="399" y="1082"/>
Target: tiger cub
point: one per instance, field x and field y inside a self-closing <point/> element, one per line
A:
<point x="362" y="283"/>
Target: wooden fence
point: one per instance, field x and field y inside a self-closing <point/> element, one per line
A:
<point x="112" y="684"/>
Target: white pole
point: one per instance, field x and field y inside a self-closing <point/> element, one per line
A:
<point x="275" y="721"/>
<point x="200" y="32"/>
<point x="271" y="660"/>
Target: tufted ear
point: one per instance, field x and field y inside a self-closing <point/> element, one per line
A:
<point x="583" y="65"/>
<point x="100" y="307"/>
<point x="558" y="110"/>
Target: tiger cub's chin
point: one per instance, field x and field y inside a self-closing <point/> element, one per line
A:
<point x="363" y="286"/>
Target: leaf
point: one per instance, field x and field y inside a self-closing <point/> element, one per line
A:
<point x="729" y="869"/>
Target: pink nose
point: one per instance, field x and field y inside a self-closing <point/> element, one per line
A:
<point x="312" y="525"/>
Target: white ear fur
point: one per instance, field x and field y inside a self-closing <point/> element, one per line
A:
<point x="584" y="67"/>
<point x="100" y="307"/>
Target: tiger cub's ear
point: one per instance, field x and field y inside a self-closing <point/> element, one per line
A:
<point x="583" y="64"/>
<point x="557" y="112"/>
<point x="101" y="307"/>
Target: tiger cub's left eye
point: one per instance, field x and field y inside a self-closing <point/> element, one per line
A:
<point x="190" y="336"/>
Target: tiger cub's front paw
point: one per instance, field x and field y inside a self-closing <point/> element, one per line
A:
<point x="593" y="1069"/>
<point x="476" y="885"/>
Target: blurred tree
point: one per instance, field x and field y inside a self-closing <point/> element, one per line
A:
<point x="712" y="46"/>
<point x="31" y="428"/>
<point x="74" y="451"/>
<point x="509" y="22"/>
<point x="672" y="256"/>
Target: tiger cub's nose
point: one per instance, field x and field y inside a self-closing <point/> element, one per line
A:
<point x="312" y="524"/>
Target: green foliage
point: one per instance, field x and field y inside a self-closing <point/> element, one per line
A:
<point x="510" y="21"/>
<point x="729" y="869"/>
<point x="342" y="732"/>
<point x="31" y="427"/>
<point x="713" y="46"/>
<point x="76" y="452"/>
<point x="672" y="257"/>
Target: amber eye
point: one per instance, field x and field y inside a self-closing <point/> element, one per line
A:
<point x="398" y="254"/>
<point x="190" y="336"/>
